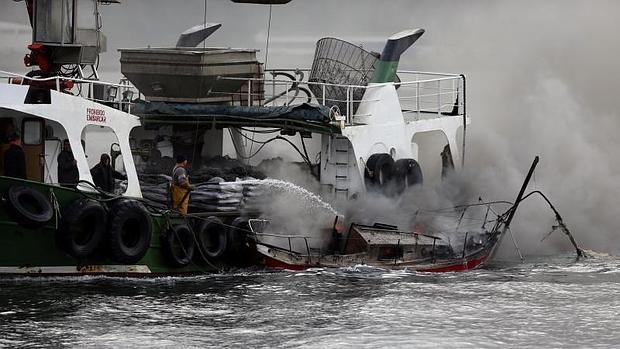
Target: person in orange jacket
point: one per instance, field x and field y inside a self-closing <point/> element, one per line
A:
<point x="180" y="186"/>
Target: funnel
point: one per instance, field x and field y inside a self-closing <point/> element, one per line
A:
<point x="396" y="45"/>
<point x="196" y="34"/>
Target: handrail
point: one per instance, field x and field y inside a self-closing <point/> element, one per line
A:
<point x="62" y="78"/>
<point x="401" y="83"/>
<point x="118" y="101"/>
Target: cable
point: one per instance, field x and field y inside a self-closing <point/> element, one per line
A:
<point x="252" y="141"/>
<point x="204" y="42"/>
<point x="110" y="197"/>
<point x="303" y="144"/>
<point x="195" y="142"/>
<point x="268" y="34"/>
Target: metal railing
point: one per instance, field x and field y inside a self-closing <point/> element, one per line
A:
<point x="258" y="225"/>
<point x="118" y="96"/>
<point x="421" y="94"/>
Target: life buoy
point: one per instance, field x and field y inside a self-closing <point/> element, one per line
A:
<point x="178" y="245"/>
<point x="379" y="171"/>
<point x="129" y="233"/>
<point x="28" y="206"/>
<point x="212" y="237"/>
<point x="407" y="173"/>
<point x="81" y="227"/>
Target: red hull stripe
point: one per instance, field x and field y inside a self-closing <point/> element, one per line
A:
<point x="470" y="264"/>
<point x="276" y="264"/>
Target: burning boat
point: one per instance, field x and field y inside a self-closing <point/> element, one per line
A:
<point x="357" y="105"/>
<point x="384" y="246"/>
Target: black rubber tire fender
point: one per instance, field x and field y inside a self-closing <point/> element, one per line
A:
<point x="129" y="233"/>
<point x="212" y="237"/>
<point x="237" y="237"/>
<point x="408" y="173"/>
<point x="28" y="206"/>
<point x="81" y="228"/>
<point x="379" y="169"/>
<point x="178" y="245"/>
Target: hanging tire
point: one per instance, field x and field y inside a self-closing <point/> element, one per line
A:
<point x="212" y="237"/>
<point x="379" y="168"/>
<point x="379" y="172"/>
<point x="81" y="228"/>
<point x="407" y="173"/>
<point x="178" y="245"/>
<point x="241" y="249"/>
<point x="28" y="207"/>
<point x="237" y="236"/>
<point x="129" y="233"/>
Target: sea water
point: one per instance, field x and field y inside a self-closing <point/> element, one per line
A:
<point x="546" y="302"/>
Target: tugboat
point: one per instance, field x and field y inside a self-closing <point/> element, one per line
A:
<point x="362" y="108"/>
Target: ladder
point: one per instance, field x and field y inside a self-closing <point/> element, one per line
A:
<point x="341" y="160"/>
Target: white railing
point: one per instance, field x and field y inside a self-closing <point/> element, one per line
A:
<point x="421" y="94"/>
<point x="115" y="95"/>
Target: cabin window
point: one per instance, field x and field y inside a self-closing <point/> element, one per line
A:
<point x="32" y="132"/>
<point x="105" y="159"/>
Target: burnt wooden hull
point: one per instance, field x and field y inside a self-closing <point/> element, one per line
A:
<point x="282" y="259"/>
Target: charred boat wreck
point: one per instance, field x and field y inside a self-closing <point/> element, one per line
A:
<point x="384" y="246"/>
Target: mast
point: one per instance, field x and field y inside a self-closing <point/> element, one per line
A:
<point x="513" y="210"/>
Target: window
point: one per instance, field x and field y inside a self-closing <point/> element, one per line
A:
<point x="32" y="132"/>
<point x="101" y="142"/>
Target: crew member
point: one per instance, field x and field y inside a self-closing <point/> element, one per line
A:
<point x="104" y="175"/>
<point x="68" y="175"/>
<point x="14" y="159"/>
<point x="180" y="186"/>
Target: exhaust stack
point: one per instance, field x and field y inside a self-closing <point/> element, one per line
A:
<point x="396" y="45"/>
<point x="197" y="34"/>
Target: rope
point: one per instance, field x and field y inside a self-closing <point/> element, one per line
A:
<point x="264" y="143"/>
<point x="251" y="141"/>
<point x="195" y="142"/>
<point x="110" y="197"/>
<point x="200" y="250"/>
<point x="56" y="206"/>
<point x="514" y="241"/>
